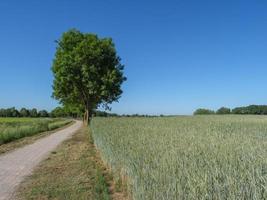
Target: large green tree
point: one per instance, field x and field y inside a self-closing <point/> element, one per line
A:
<point x="87" y="72"/>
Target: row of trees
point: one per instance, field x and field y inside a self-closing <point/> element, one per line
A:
<point x="252" y="109"/>
<point x="76" y="113"/>
<point x="23" y="112"/>
<point x="64" y="111"/>
<point x="57" y="112"/>
<point x="246" y="110"/>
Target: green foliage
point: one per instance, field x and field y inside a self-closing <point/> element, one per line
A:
<point x="87" y="71"/>
<point x="58" y="112"/>
<point x="203" y="111"/>
<point x="223" y="111"/>
<point x="199" y="157"/>
<point x="67" y="111"/>
<point x="73" y="110"/>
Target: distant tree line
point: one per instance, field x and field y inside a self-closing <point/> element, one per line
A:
<point x="98" y="113"/>
<point x="66" y="112"/>
<point x="204" y="111"/>
<point x="245" y="110"/>
<point x="252" y="109"/>
<point x="23" y="112"/>
<point x="75" y="112"/>
<point x="57" y="112"/>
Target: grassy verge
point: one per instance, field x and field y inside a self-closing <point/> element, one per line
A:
<point x="30" y="139"/>
<point x="73" y="171"/>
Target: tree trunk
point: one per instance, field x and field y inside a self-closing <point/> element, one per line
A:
<point x="84" y="117"/>
<point x="87" y="117"/>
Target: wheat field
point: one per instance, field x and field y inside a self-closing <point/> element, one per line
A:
<point x="198" y="157"/>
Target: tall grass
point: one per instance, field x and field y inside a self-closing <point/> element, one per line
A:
<point x="201" y="157"/>
<point x="15" y="128"/>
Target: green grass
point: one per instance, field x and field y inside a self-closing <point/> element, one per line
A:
<point x="200" y="157"/>
<point x="73" y="171"/>
<point x="15" y="128"/>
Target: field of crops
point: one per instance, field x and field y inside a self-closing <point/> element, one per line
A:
<point x="200" y="157"/>
<point x="16" y="128"/>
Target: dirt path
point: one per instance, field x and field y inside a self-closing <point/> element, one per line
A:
<point x="15" y="165"/>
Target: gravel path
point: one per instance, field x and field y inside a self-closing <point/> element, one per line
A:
<point x="15" y="165"/>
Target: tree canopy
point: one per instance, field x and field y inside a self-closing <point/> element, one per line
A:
<point x="87" y="71"/>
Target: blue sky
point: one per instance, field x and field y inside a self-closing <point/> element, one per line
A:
<point x="178" y="55"/>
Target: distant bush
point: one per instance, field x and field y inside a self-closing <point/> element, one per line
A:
<point x="223" y="111"/>
<point x="203" y="111"/>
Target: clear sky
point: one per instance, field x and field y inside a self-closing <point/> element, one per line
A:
<point x="178" y="55"/>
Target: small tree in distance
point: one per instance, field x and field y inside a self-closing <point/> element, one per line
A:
<point x="87" y="72"/>
<point x="43" y="113"/>
<point x="223" y="111"/>
<point x="24" y="112"/>
<point x="33" y="112"/>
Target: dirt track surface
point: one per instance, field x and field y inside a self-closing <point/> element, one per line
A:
<point x="17" y="164"/>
